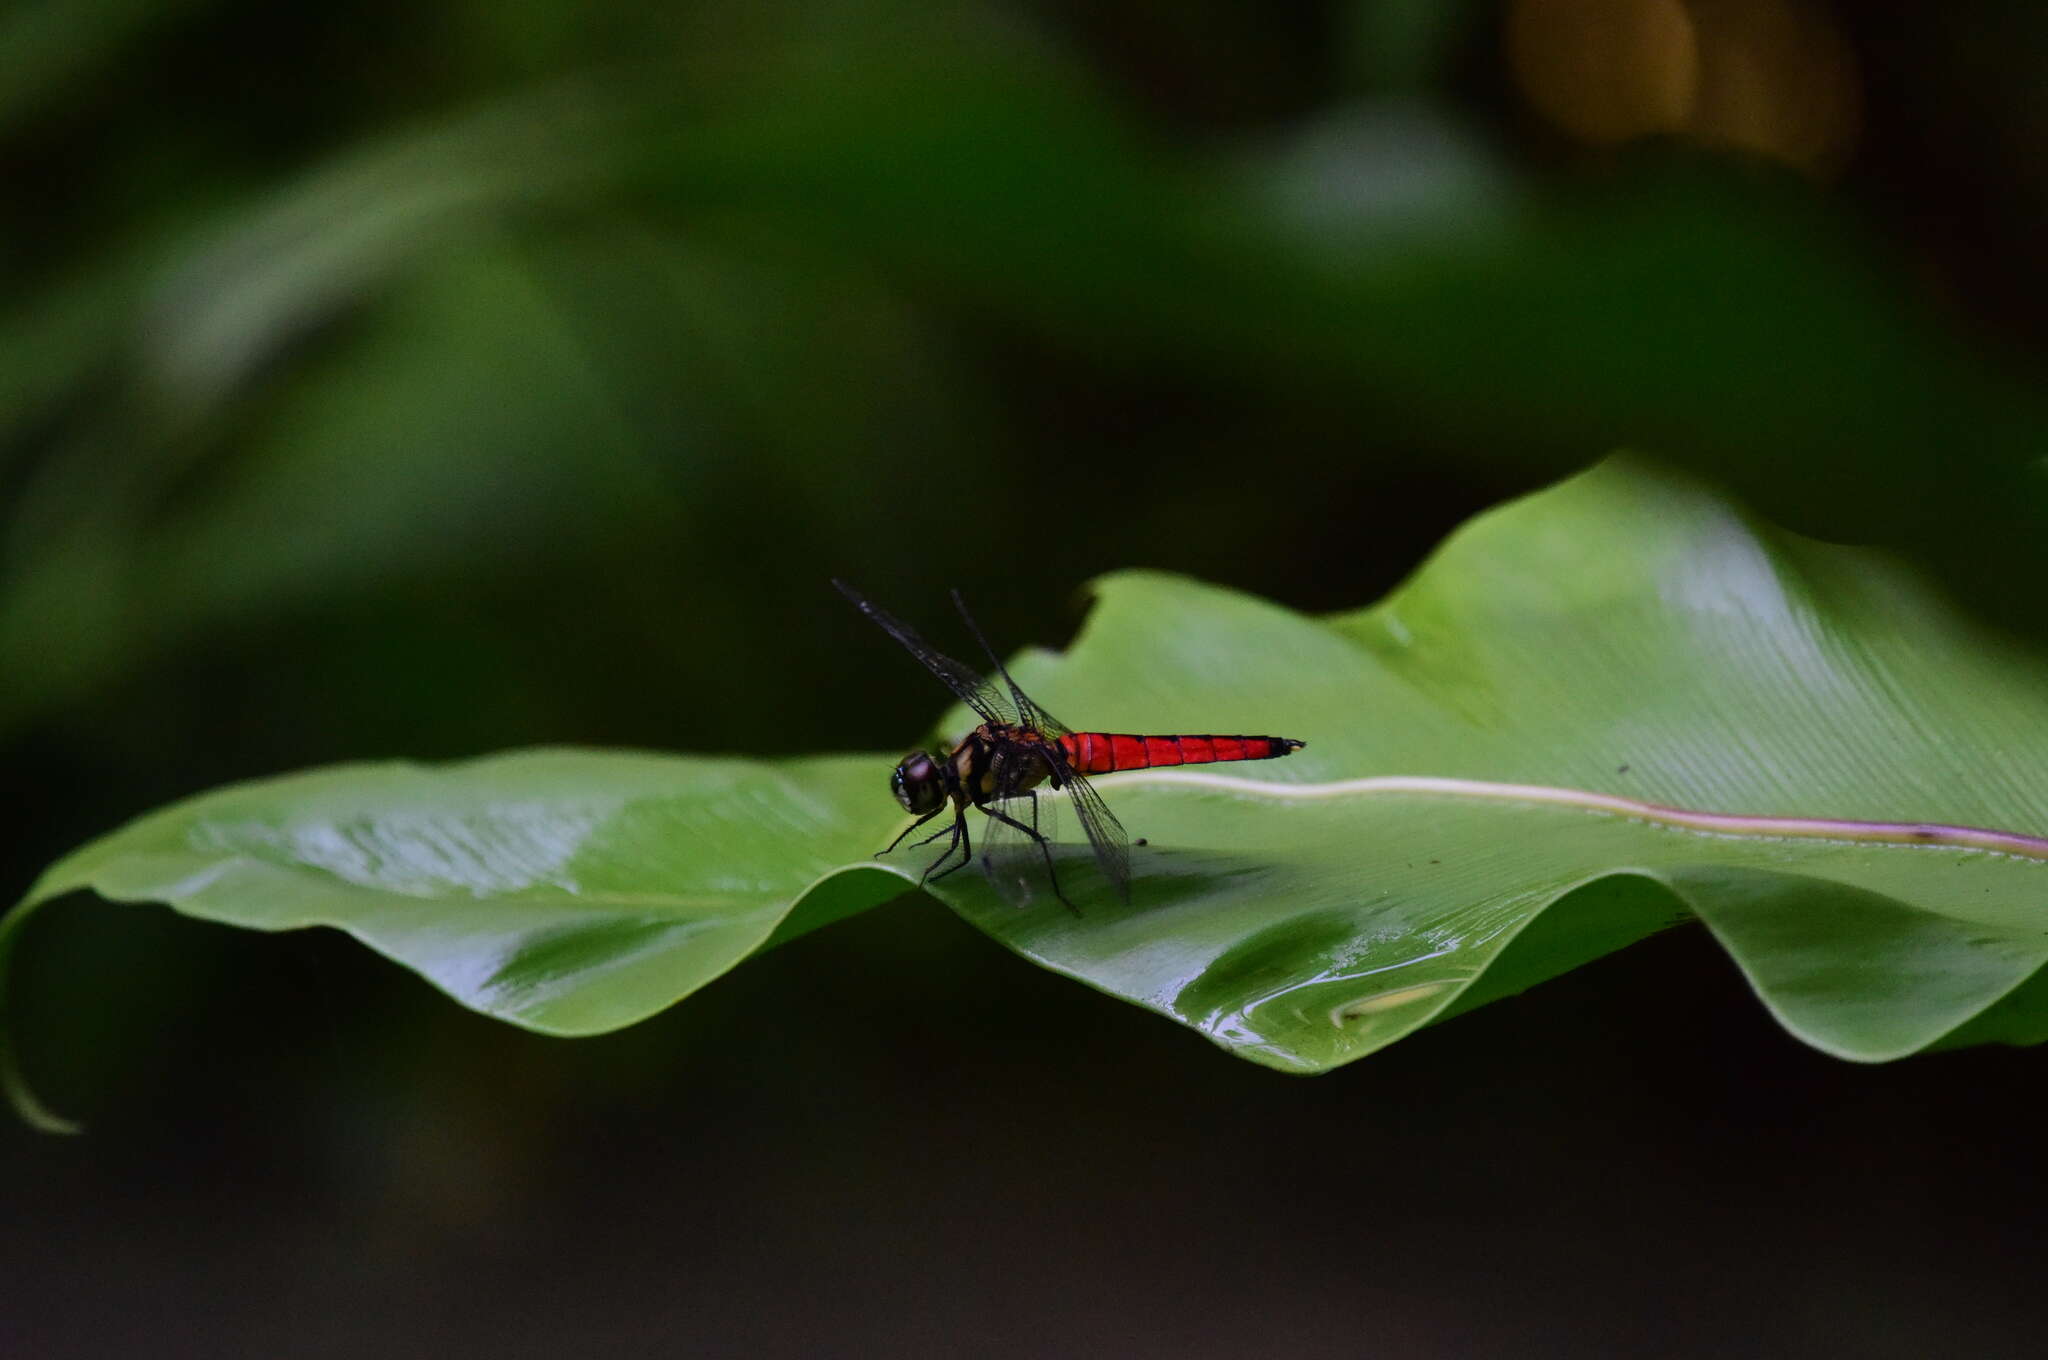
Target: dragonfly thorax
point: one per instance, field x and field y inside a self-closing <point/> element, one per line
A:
<point x="918" y="783"/>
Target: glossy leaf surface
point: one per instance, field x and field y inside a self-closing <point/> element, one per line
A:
<point x="1595" y="712"/>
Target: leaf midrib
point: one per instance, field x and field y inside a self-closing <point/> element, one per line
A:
<point x="1758" y="826"/>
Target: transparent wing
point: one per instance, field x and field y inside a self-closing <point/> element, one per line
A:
<point x="1029" y="714"/>
<point x="1106" y="835"/>
<point x="1018" y="866"/>
<point x="985" y="697"/>
<point x="1020" y="846"/>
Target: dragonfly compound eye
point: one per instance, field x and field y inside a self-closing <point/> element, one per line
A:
<point x="917" y="785"/>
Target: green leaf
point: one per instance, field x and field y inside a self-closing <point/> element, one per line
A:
<point x="1574" y="678"/>
<point x="1599" y="711"/>
<point x="570" y="892"/>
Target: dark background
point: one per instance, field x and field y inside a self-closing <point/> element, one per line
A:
<point x="424" y="380"/>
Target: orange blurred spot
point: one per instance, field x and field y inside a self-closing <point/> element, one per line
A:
<point x="1605" y="70"/>
<point x="1776" y="79"/>
<point x="1772" y="77"/>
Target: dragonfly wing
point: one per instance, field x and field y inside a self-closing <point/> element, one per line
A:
<point x="1037" y="718"/>
<point x="1021" y="851"/>
<point x="1106" y="835"/>
<point x="1029" y="714"/>
<point x="1017" y="865"/>
<point x="1019" y="839"/>
<point x="985" y="697"/>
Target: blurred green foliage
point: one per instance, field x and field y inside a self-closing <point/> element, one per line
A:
<point x="424" y="380"/>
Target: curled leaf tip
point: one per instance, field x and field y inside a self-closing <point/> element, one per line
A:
<point x="13" y="1083"/>
<point x="24" y="1101"/>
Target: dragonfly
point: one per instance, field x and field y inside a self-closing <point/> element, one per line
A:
<point x="1018" y="750"/>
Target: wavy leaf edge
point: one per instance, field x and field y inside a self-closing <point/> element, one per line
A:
<point x="1681" y="883"/>
<point x="64" y="877"/>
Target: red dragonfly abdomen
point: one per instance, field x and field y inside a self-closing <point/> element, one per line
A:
<point x="1108" y="752"/>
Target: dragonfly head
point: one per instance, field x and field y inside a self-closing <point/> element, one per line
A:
<point x="917" y="783"/>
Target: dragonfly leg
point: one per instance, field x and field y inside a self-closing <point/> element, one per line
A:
<point x="942" y="831"/>
<point x="961" y="841"/>
<point x="912" y="827"/>
<point x="1044" y="846"/>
